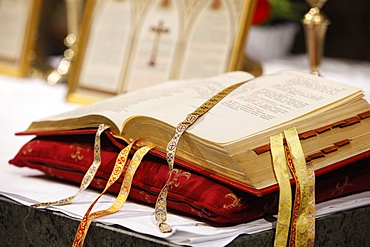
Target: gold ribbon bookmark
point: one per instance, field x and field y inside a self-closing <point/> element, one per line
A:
<point x="298" y="159"/>
<point x="117" y="171"/>
<point x="161" y="204"/>
<point x="301" y="220"/>
<point x="297" y="200"/>
<point x="122" y="196"/>
<point x="285" y="195"/>
<point x="305" y="180"/>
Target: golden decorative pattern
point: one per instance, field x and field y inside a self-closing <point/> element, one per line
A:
<point x="297" y="200"/>
<point x="236" y="201"/>
<point x="89" y="175"/>
<point x="299" y="162"/>
<point x="285" y="195"/>
<point x="197" y="212"/>
<point x="177" y="175"/>
<point x="117" y="171"/>
<point x="145" y="197"/>
<point x="340" y="187"/>
<point x="77" y="154"/>
<point x="300" y="219"/>
<point x="311" y="214"/>
<point x="122" y="196"/>
<point x="269" y="207"/>
<point x="161" y="203"/>
<point x="29" y="147"/>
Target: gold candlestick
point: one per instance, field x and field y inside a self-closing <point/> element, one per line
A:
<point x="315" y="26"/>
<point x="73" y="14"/>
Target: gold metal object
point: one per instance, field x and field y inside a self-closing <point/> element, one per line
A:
<point x="73" y="13"/>
<point x="315" y="25"/>
<point x="64" y="65"/>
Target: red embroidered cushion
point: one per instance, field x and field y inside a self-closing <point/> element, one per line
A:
<point x="67" y="157"/>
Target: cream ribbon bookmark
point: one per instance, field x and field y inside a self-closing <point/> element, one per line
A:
<point x="161" y="204"/>
<point x="89" y="175"/>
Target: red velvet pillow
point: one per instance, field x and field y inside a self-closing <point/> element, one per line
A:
<point x="67" y="157"/>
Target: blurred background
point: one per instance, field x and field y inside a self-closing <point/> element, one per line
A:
<point x="348" y="35"/>
<point x="276" y="32"/>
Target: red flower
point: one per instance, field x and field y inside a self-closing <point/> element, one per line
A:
<point x="262" y="12"/>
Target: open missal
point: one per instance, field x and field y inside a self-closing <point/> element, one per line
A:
<point x="230" y="142"/>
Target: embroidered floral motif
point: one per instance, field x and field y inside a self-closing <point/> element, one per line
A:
<point x="29" y="148"/>
<point x="203" y="212"/>
<point x="177" y="173"/>
<point x="339" y="188"/>
<point x="76" y="154"/>
<point x="98" y="183"/>
<point x="236" y="201"/>
<point x="197" y="213"/>
<point x="146" y="197"/>
<point x="269" y="206"/>
<point x="50" y="172"/>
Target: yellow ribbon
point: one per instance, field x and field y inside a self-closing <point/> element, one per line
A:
<point x="117" y="171"/>
<point x="297" y="201"/>
<point x="311" y="214"/>
<point x="299" y="162"/>
<point x="285" y="195"/>
<point x="302" y="225"/>
<point x="120" y="199"/>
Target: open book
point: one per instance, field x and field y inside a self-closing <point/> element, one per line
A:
<point x="230" y="142"/>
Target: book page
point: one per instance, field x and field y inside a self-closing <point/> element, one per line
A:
<point x="255" y="106"/>
<point x="162" y="98"/>
<point x="269" y="101"/>
<point x="261" y="104"/>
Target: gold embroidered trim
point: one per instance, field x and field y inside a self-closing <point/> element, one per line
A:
<point x="285" y="195"/>
<point x="89" y="175"/>
<point x="300" y="220"/>
<point x="121" y="198"/>
<point x="161" y="204"/>
<point x="116" y="173"/>
<point x="297" y="199"/>
<point x="298" y="159"/>
<point x="311" y="214"/>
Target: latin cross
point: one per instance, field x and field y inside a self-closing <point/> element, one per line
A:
<point x="158" y="32"/>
